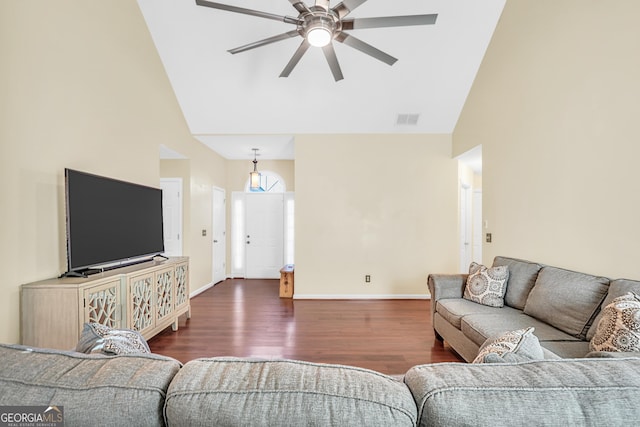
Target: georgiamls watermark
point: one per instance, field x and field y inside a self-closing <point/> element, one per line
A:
<point x="31" y="416"/>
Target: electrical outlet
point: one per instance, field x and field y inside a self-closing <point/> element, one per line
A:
<point x="204" y="233"/>
<point x="488" y="239"/>
<point x="367" y="278"/>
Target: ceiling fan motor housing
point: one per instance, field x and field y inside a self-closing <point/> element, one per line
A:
<point x="320" y="20"/>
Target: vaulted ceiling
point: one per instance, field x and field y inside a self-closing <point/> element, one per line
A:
<point x="235" y="102"/>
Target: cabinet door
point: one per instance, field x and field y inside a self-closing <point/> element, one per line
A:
<point x="140" y="302"/>
<point x="102" y="304"/>
<point x="164" y="284"/>
<point x="182" y="285"/>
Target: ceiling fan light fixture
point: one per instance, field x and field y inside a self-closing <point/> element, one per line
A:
<point x="319" y="36"/>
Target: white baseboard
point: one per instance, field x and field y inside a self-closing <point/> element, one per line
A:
<point x="204" y="288"/>
<point x="201" y="290"/>
<point x="361" y="296"/>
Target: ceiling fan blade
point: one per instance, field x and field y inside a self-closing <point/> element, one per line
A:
<point x="346" y="7"/>
<point x="332" y="59"/>
<point x="358" y="44"/>
<point x="269" y="40"/>
<point x="389" y="21"/>
<point x="260" y="14"/>
<point x="300" y="6"/>
<point x="295" y="58"/>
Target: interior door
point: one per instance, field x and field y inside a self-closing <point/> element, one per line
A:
<point x="465" y="228"/>
<point x="219" y="261"/>
<point x="477" y="226"/>
<point x="172" y="215"/>
<point x="264" y="228"/>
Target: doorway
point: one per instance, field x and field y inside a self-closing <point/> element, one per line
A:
<point x="264" y="222"/>
<point x="172" y="215"/>
<point x="470" y="207"/>
<point x="477" y="226"/>
<point x="465" y="227"/>
<point x="219" y="252"/>
<point x="261" y="234"/>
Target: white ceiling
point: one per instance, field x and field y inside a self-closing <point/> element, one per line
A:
<point x="234" y="103"/>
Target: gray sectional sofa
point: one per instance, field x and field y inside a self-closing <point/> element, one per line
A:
<point x="563" y="306"/>
<point x="153" y="390"/>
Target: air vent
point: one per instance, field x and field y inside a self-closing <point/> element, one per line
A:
<point x="407" y="119"/>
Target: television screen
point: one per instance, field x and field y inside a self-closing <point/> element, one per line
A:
<point x="110" y="221"/>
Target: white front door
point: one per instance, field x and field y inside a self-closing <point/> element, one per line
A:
<point x="264" y="235"/>
<point x="219" y="261"/>
<point x="172" y="215"/>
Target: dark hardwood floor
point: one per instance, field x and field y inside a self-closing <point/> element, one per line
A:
<point x="247" y="318"/>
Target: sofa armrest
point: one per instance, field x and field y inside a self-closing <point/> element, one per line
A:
<point x="446" y="285"/>
<point x="443" y="286"/>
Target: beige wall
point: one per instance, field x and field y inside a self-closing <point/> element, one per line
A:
<point x="83" y="87"/>
<point x="555" y="107"/>
<point x="383" y="205"/>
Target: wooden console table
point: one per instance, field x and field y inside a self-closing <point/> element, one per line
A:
<point x="147" y="297"/>
<point x="286" y="281"/>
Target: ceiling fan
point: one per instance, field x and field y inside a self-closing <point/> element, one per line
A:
<point x="319" y="25"/>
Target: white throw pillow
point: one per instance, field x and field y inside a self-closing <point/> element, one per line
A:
<point x="513" y="346"/>
<point x="98" y="338"/>
<point x="486" y="286"/>
<point x="619" y="327"/>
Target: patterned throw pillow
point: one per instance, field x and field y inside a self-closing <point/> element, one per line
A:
<point x="486" y="286"/>
<point x="97" y="338"/>
<point x="619" y="327"/>
<point x="514" y="346"/>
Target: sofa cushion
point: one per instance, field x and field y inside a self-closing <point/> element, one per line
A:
<point x="242" y="392"/>
<point x="619" y="327"/>
<point x="486" y="286"/>
<point x="566" y="299"/>
<point x="578" y="392"/>
<point x="124" y="390"/>
<point x="617" y="288"/>
<point x="566" y="349"/>
<point x="522" y="277"/>
<point x="479" y="327"/>
<point x="513" y="346"/>
<point x="453" y="310"/>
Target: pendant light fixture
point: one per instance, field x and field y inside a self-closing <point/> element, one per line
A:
<point x="254" y="176"/>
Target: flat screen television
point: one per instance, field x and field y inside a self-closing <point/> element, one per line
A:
<point x="110" y="222"/>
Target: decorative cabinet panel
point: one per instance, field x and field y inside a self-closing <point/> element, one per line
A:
<point x="102" y="304"/>
<point x="182" y="285"/>
<point x="165" y="293"/>
<point x="141" y="305"/>
<point x="146" y="297"/>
